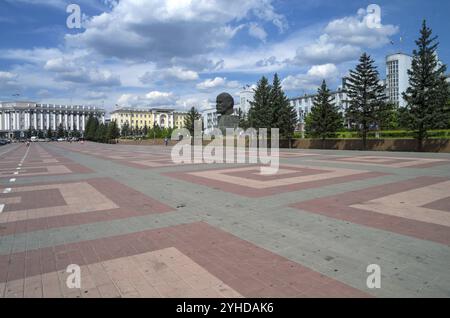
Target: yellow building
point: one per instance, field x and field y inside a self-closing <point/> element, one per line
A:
<point x="138" y="118"/>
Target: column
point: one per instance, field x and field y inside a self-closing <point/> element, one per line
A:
<point x="13" y="120"/>
<point x="72" y="126"/>
<point x="1" y="121"/>
<point x="54" y="121"/>
<point x="48" y="121"/>
<point x="35" y="120"/>
<point x="65" y="120"/>
<point x="42" y="122"/>
<point x="7" y="121"/>
<point x="78" y="122"/>
<point x="60" y="119"/>
<point x="83" y="122"/>
<point x="29" y="120"/>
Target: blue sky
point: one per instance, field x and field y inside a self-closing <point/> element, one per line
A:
<point x="182" y="53"/>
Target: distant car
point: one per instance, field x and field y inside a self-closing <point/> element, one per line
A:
<point x="34" y="139"/>
<point x="3" y="142"/>
<point x="61" y="139"/>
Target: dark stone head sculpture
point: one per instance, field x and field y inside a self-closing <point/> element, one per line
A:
<point x="225" y="104"/>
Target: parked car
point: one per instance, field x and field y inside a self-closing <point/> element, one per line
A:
<point x="3" y="142"/>
<point x="34" y="139"/>
<point x="61" y="139"/>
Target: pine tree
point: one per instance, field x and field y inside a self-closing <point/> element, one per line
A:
<point x="366" y="94"/>
<point x="260" y="112"/>
<point x="125" y="130"/>
<point x="190" y="119"/>
<point x="325" y="119"/>
<point x="427" y="94"/>
<point x="49" y="132"/>
<point x="113" y="131"/>
<point x="283" y="115"/>
<point x="60" y="133"/>
<point x="91" y="128"/>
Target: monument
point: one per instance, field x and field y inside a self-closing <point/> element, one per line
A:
<point x="225" y="117"/>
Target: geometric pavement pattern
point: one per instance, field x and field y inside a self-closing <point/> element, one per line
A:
<point x="140" y="226"/>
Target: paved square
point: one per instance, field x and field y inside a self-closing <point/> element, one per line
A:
<point x="138" y="225"/>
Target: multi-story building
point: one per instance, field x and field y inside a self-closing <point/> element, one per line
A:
<point x="397" y="78"/>
<point x="18" y="117"/>
<point x="209" y="117"/>
<point x="138" y="118"/>
<point x="245" y="97"/>
<point x="303" y="104"/>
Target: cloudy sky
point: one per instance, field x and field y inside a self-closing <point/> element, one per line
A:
<point x="182" y="53"/>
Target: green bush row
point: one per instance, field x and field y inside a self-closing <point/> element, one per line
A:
<point x="393" y="134"/>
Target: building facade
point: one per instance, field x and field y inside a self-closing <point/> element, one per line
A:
<point x="18" y="117"/>
<point x="138" y="118"/>
<point x="209" y="118"/>
<point x="245" y="98"/>
<point x="397" y="78"/>
<point x="303" y="105"/>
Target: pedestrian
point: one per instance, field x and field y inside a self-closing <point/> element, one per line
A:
<point x="166" y="141"/>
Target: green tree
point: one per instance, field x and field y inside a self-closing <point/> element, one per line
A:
<point x="145" y="130"/>
<point x="283" y="115"/>
<point x="260" y="112"/>
<point x="125" y="131"/>
<point x="29" y="133"/>
<point x="388" y="117"/>
<point x="101" y="133"/>
<point x="60" y="133"/>
<point x="325" y="119"/>
<point x="113" y="131"/>
<point x="366" y="94"/>
<point x="91" y="128"/>
<point x="427" y="94"/>
<point x="49" y="132"/>
<point x="190" y="119"/>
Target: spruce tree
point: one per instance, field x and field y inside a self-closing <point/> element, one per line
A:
<point x="325" y="119"/>
<point x="190" y="119"/>
<point x="125" y="130"/>
<point x="92" y="129"/>
<point x="283" y="115"/>
<point x="60" y="133"/>
<point x="366" y="94"/>
<point x="427" y="94"/>
<point x="260" y="112"/>
<point x="49" y="132"/>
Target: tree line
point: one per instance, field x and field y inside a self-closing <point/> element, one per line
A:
<point x="271" y="108"/>
<point x="427" y="98"/>
<point x="100" y="132"/>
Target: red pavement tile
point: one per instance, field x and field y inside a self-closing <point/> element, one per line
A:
<point x="243" y="190"/>
<point x="218" y="252"/>
<point x="131" y="203"/>
<point x="339" y="207"/>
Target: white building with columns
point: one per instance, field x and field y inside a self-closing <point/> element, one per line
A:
<point x="16" y="117"/>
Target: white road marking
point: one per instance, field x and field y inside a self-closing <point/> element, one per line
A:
<point x="2" y="206"/>
<point x="7" y="190"/>
<point x="16" y="172"/>
<point x="12" y="180"/>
